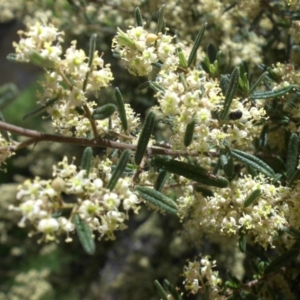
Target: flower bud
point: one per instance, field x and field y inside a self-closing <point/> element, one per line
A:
<point x="58" y="184"/>
<point x="151" y="38"/>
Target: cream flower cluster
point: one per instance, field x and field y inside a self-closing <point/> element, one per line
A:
<point x="63" y="84"/>
<point x="104" y="211"/>
<point x="199" y="276"/>
<point x="194" y="97"/>
<point x="39" y="38"/>
<point x="140" y="50"/>
<point x="187" y="96"/>
<point x="5" y="152"/>
<point x="225" y="213"/>
<point x="293" y="202"/>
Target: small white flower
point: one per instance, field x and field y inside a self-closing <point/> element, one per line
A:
<point x="48" y="225"/>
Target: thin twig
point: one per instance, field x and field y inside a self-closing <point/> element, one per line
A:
<point x="92" y="122"/>
<point x="37" y="136"/>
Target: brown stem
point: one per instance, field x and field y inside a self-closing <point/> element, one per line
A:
<point x="92" y="122"/>
<point x="36" y="136"/>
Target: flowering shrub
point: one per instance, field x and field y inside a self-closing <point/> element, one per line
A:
<point x="218" y="148"/>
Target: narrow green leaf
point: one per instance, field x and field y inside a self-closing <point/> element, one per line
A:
<point x="292" y="155"/>
<point x="103" y="112"/>
<point x="119" y="169"/>
<point x="242" y="241"/>
<point x="41" y="109"/>
<point x="86" y="161"/>
<point x="217" y="167"/>
<point x="12" y="57"/>
<point x="231" y="90"/>
<point x="192" y="172"/>
<point x="231" y="285"/>
<point x="244" y="70"/>
<point x="3" y="132"/>
<point x="92" y="49"/>
<point x="252" y="171"/>
<point x="138" y="17"/>
<point x="196" y="44"/>
<point x="189" y="133"/>
<point x="121" y="109"/>
<point x="275" y="93"/>
<point x="160" y="290"/>
<point x="85" y="235"/>
<point x="157" y="195"/>
<point x="253" y="161"/>
<point x="157" y="199"/>
<point x="276" y="178"/>
<point x="160" y="181"/>
<point x="183" y="81"/>
<point x="263" y="140"/>
<point x="37" y="59"/>
<point x="283" y="260"/>
<point x="252" y="197"/>
<point x="204" y="191"/>
<point x="244" y="83"/>
<point x="223" y="160"/>
<point x="182" y="60"/>
<point x="212" y="53"/>
<point x="156" y="87"/>
<point x="284" y="120"/>
<point x="295" y="176"/>
<point x="144" y="137"/>
<point x="233" y="278"/>
<point x="161" y="24"/>
<point x="125" y="40"/>
<point x="224" y="83"/>
<point x="259" y="80"/>
<point x="226" y="161"/>
<point x="205" y="64"/>
<point x="144" y="85"/>
<point x="116" y="55"/>
<point x="172" y="290"/>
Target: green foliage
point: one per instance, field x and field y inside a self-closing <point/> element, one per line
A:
<point x="189" y="133"/>
<point x="84" y="235"/>
<point x="193" y="172"/>
<point x="86" y="160"/>
<point x="196" y="45"/>
<point x="104" y="112"/>
<point x="187" y="180"/>
<point x="292" y="156"/>
<point x="121" y="109"/>
<point x="119" y="169"/>
<point x="230" y="92"/>
<point x="157" y="199"/>
<point x="254" y="162"/>
<point x="145" y="137"/>
<point x="252" y="197"/>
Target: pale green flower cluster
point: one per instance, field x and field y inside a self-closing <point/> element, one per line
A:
<point x="187" y="96"/>
<point x="193" y="97"/>
<point x="5" y="151"/>
<point x="104" y="211"/>
<point x="225" y="212"/>
<point x="199" y="276"/>
<point x="42" y="42"/>
<point x="140" y="49"/>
